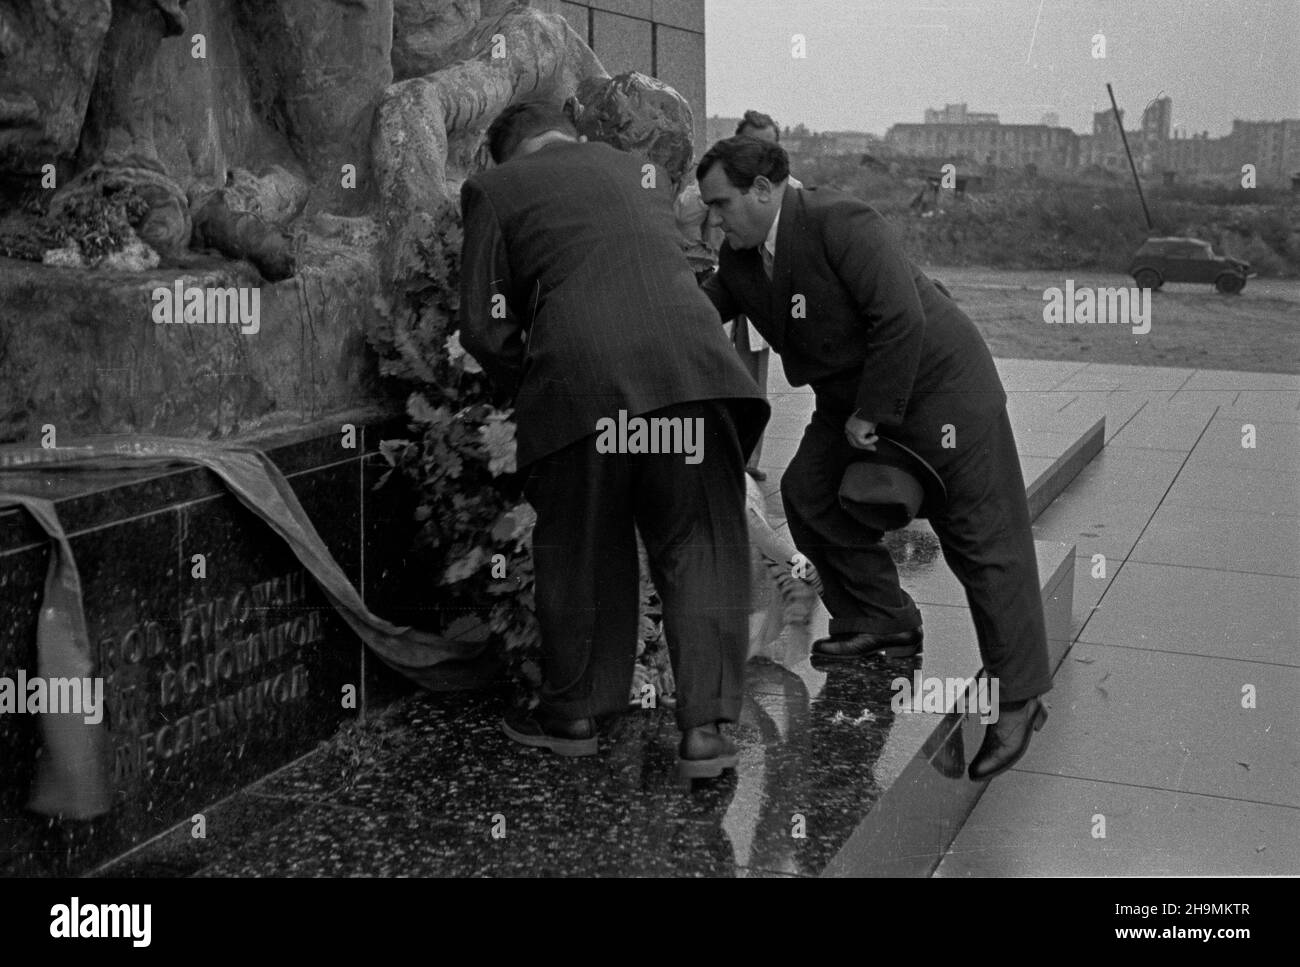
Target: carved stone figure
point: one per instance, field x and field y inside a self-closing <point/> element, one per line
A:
<point x="117" y="149"/>
<point x="49" y="53"/>
<point x="425" y="32"/>
<point x="270" y="132"/>
<point x="645" y="116"/>
<point x="430" y="127"/>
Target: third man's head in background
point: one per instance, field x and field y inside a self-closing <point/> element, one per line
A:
<point x="756" y="124"/>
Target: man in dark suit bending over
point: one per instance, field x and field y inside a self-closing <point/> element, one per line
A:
<point x="633" y="410"/>
<point x="886" y="352"/>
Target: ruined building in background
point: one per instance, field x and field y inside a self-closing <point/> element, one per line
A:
<point x="953" y="132"/>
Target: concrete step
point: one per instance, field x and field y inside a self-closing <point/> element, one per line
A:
<point x="927" y="798"/>
<point x="925" y="794"/>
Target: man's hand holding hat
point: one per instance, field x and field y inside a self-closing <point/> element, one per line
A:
<point x="861" y="433"/>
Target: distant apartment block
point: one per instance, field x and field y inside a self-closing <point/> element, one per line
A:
<point x="1009" y="145"/>
<point x="956" y="134"/>
<point x="1272" y="146"/>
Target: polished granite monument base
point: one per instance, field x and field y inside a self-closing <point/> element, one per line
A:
<point x="213" y="675"/>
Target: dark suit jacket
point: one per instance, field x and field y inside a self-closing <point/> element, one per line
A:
<point x="602" y="310"/>
<point x="876" y="335"/>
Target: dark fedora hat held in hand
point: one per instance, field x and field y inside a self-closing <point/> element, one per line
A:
<point x="890" y="486"/>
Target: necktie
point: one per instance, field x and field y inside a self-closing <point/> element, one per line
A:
<point x="768" y="261"/>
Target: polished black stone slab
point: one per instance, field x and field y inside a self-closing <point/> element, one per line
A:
<point x="22" y="582"/>
<point x="95" y="498"/>
<point x="227" y="825"/>
<point x="212" y="679"/>
<point x="436" y="789"/>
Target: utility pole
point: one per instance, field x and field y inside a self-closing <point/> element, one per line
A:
<point x="1124" y="137"/>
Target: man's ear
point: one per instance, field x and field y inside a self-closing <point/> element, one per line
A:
<point x="762" y="187"/>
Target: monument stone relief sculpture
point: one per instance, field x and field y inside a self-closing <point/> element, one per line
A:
<point x="300" y="156"/>
<point x="116" y="151"/>
<point x="218" y="143"/>
<point x="430" y="127"/>
<point x="49" y="54"/>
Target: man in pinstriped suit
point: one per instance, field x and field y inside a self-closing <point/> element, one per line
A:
<point x="575" y="297"/>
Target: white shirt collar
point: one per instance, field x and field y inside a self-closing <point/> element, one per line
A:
<point x="770" y="244"/>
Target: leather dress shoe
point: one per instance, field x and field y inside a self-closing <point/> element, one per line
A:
<point x="572" y="737"/>
<point x="861" y="644"/>
<point x="1007" y="739"/>
<point x="705" y="753"/>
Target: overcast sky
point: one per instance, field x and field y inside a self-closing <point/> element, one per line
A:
<point x="872" y="63"/>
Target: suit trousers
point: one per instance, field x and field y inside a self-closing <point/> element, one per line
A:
<point x="757" y="362"/>
<point x="691" y="518"/>
<point x="984" y="532"/>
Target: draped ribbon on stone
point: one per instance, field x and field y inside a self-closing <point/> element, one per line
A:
<point x="72" y="774"/>
<point x="73" y="778"/>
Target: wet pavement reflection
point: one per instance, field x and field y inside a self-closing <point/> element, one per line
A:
<point x="440" y="791"/>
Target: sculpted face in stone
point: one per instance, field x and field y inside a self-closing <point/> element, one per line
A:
<point x="425" y="33"/>
<point x="49" y="52"/>
<point x="643" y="115"/>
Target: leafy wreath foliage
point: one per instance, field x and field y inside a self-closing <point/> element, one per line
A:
<point x="102" y="223"/>
<point x="98" y="224"/>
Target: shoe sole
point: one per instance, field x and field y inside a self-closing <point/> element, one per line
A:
<point x="567" y="747"/>
<point x="1040" y="718"/>
<point x="706" y="768"/>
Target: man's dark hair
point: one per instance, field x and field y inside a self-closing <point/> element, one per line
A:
<point x="525" y="120"/>
<point x="758" y="121"/>
<point x="744" y="159"/>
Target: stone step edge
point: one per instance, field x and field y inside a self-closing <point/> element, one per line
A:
<point x="911" y="826"/>
<point x="1051" y="483"/>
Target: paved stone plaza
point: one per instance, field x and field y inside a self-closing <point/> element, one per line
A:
<point x="1201" y="598"/>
